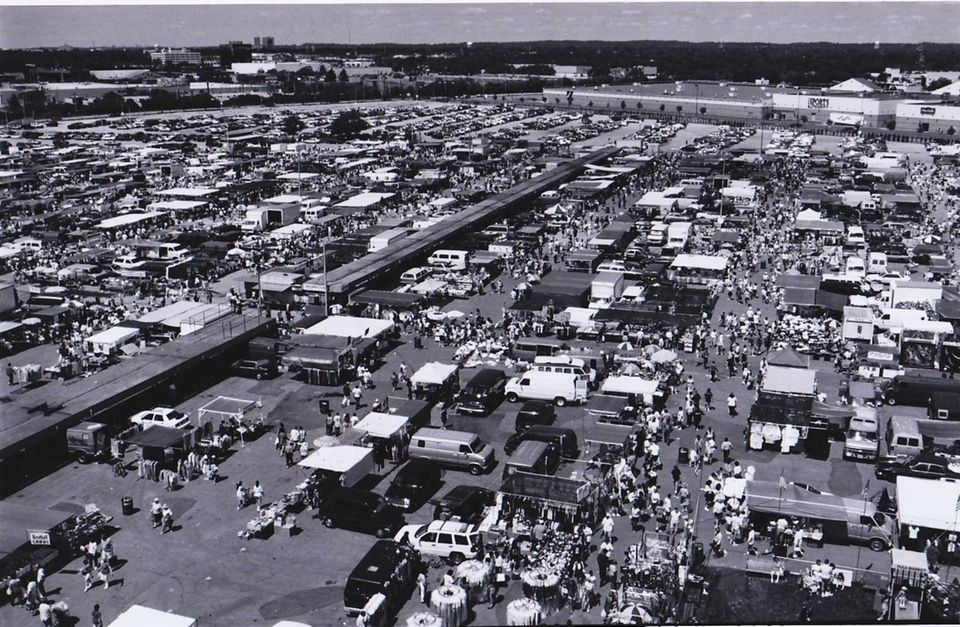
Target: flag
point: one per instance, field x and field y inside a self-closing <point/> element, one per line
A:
<point x="958" y="504"/>
<point x="782" y="483"/>
<point x="866" y="488"/>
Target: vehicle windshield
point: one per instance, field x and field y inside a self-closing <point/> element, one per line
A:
<point x="880" y="519"/>
<point x="422" y="530"/>
<point x="861" y="436"/>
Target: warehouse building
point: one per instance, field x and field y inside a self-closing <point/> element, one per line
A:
<point x="933" y="117"/>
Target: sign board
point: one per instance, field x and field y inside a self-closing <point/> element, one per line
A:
<point x="818" y="103"/>
<point x="928" y="110"/>
<point x="39" y="538"/>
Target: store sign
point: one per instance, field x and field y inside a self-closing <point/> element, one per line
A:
<point x="39" y="538"/>
<point x="818" y="103"/>
<point x="928" y="110"/>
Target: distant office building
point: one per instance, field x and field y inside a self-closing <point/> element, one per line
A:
<point x="266" y="41"/>
<point x="174" y="56"/>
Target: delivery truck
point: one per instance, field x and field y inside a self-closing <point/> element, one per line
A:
<point x="605" y="289"/>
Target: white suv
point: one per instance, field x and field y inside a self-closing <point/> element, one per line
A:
<point x="162" y="416"/>
<point x="455" y="541"/>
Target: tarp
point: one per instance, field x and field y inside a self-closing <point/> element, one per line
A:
<point x="113" y="336"/>
<point x="791" y="500"/>
<point x="350" y="326"/>
<point x="141" y="616"/>
<point x="311" y="357"/>
<point x="702" y="262"/>
<point x="433" y="373"/>
<point x="783" y="380"/>
<point x="788" y="358"/>
<point x="382" y="425"/>
<point x="336" y="458"/>
<point x="930" y="504"/>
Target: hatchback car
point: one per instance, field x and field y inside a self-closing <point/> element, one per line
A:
<point x="359" y="510"/>
<point x="535" y="412"/>
<point x="161" y="416"/>
<point x="454" y="541"/>
<point x="413" y="484"/>
<point x="254" y="368"/>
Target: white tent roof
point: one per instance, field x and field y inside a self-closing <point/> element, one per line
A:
<point x="113" y="335"/>
<point x="364" y="200"/>
<point x="382" y="425"/>
<point x="629" y="385"/>
<point x="173" y="309"/>
<point x="705" y="262"/>
<point x="336" y="458"/>
<point x="192" y="192"/>
<point x="928" y="503"/>
<point x="790" y="380"/>
<point x="142" y="616"/>
<point x="809" y="214"/>
<point x="350" y="326"/>
<point x="127" y="219"/>
<point x="433" y="373"/>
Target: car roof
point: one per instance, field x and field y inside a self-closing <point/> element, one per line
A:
<point x="451" y="526"/>
<point x="534" y="405"/>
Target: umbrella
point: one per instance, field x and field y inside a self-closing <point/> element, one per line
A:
<point x="625" y="346"/>
<point x="650" y="349"/>
<point x="663" y="356"/>
<point x="31" y="321"/>
<point x="631" y="369"/>
<point x="633" y="615"/>
<point x="454" y="314"/>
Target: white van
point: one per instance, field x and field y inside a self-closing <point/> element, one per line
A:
<point x="891" y="318"/>
<point x="558" y="387"/>
<point x="856" y="267"/>
<point x="563" y="364"/>
<point x="449" y="259"/>
<point x="415" y="275"/>
<point x="877" y="263"/>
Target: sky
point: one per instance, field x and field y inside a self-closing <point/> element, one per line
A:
<point x="205" y="25"/>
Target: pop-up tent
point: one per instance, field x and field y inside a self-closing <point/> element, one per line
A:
<point x="349" y="464"/>
<point x="142" y="616"/>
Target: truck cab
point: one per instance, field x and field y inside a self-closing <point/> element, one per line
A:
<point x="89" y="441"/>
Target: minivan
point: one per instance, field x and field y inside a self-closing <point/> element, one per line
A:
<point x="534" y="457"/>
<point x="483" y="392"/>
<point x="415" y="275"/>
<point x="565" y="440"/>
<point x="449" y="259"/>
<point x="918" y="391"/>
<point x="376" y="573"/>
<point x="457" y="449"/>
<point x="360" y="510"/>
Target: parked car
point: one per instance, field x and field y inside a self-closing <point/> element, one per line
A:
<point x="454" y="541"/>
<point x="254" y="368"/>
<point x="161" y="416"/>
<point x="360" y="510"/>
<point x="465" y="503"/>
<point x="413" y="484"/>
<point x="925" y="466"/>
<point x="535" y="412"/>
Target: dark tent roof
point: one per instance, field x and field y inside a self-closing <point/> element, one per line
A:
<point x="546" y="487"/>
<point x="799" y="296"/>
<point x="806" y="281"/>
<point x="387" y="299"/>
<point x="312" y="356"/>
<point x="160" y="437"/>
<point x="789" y="358"/>
<point x="831" y="300"/>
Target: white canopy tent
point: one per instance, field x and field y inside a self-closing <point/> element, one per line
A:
<point x="142" y="616"/>
<point x="929" y="504"/>
<point x="783" y="380"/>
<point x="350" y="326"/>
<point x="351" y="463"/>
<point x="433" y="373"/>
<point x="380" y="425"/>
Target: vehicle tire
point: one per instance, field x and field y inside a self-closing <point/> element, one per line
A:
<point x="328" y="523"/>
<point x="512" y="397"/>
<point x="891" y="401"/>
<point x="456" y="558"/>
<point x="475" y="470"/>
<point x="82" y="458"/>
<point x="559" y="401"/>
<point x="878" y="545"/>
<point x="259" y="376"/>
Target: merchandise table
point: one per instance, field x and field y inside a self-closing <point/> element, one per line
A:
<point x="523" y="612"/>
<point x="473" y="573"/>
<point x="450" y="602"/>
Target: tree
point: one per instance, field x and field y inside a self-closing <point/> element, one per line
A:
<point x="639" y="105"/>
<point x="679" y="108"/>
<point x="952" y="130"/>
<point x="348" y="124"/>
<point x="703" y="110"/>
<point x="343" y="76"/>
<point x="662" y="108"/>
<point x="293" y="125"/>
<point x="623" y="104"/>
<point x="330" y="76"/>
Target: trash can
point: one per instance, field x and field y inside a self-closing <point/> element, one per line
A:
<point x="324" y="406"/>
<point x="417" y="342"/>
<point x="683" y="455"/>
<point x="126" y="505"/>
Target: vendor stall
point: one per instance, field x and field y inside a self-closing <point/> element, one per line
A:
<point x="650" y="575"/>
<point x="604" y="443"/>
<point x="160" y="448"/>
<point x="436" y="381"/>
<point x="524" y="498"/>
<point x="390" y="432"/>
<point x="244" y="418"/>
<point x="342" y="465"/>
<point x="638" y="391"/>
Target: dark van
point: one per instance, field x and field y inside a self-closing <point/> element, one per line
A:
<point x="483" y="392"/>
<point x="359" y="510"/>
<point x="565" y="440"/>
<point x="538" y="458"/>
<point x="918" y="391"/>
<point x="388" y="567"/>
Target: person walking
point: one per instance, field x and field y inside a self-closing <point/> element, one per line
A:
<point x="732" y="405"/>
<point x="726" y="447"/>
<point x="104" y="573"/>
<point x="166" y="519"/>
<point x="258" y="495"/>
<point x="241" y="496"/>
<point x="422" y="587"/>
<point x="491" y="593"/>
<point x="96" y="618"/>
<point x="156" y="512"/>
